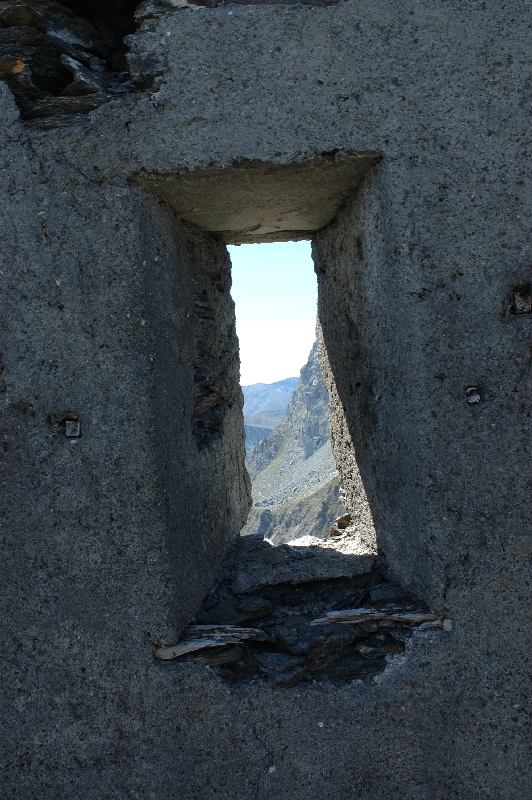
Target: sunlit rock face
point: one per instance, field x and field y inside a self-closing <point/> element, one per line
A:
<point x="295" y="486"/>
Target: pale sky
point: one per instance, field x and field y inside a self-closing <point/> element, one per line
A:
<point x="275" y="293"/>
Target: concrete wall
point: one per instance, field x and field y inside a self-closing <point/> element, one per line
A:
<point x="117" y="315"/>
<point x="355" y="498"/>
<point x="98" y="569"/>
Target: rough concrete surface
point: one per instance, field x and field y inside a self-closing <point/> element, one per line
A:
<point x="110" y="543"/>
<point x="355" y="498"/>
<point x="257" y="202"/>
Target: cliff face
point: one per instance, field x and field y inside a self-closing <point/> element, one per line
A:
<point x="305" y="426"/>
<point x="294" y="478"/>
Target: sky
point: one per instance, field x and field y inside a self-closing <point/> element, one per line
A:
<point x="275" y="294"/>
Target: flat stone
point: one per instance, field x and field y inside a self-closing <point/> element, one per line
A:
<point x="299" y="637"/>
<point x="219" y="656"/>
<point x="278" y="662"/>
<point x="85" y="81"/>
<point x="255" y="563"/>
<point x="289" y="678"/>
<point x="56" y="106"/>
<point x="235" y="610"/>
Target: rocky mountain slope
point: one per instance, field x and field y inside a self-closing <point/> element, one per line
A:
<point x="294" y="479"/>
<point x="264" y="407"/>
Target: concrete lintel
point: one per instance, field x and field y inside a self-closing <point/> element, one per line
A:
<point x="252" y="202"/>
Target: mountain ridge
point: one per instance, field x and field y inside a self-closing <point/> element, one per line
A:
<point x="268" y="396"/>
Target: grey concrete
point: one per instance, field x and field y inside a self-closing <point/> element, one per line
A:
<point x="257" y="202"/>
<point x="108" y="544"/>
<point x="342" y="434"/>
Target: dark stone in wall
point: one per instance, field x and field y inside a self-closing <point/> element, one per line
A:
<point x="50" y="49"/>
<point x="287" y="647"/>
<point x="102" y="8"/>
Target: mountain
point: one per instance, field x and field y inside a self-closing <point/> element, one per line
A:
<point x="264" y="407"/>
<point x="295" y="483"/>
<point x="268" y="396"/>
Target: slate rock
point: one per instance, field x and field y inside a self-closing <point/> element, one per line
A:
<point x="254" y="562"/>
<point x="42" y="35"/>
<point x="85" y="81"/>
<point x="23" y="35"/>
<point x="235" y="610"/>
<point x="348" y="665"/>
<point x="387" y="591"/>
<point x="278" y="662"/>
<point x="289" y="678"/>
<point x="282" y="590"/>
<point x="119" y="83"/>
<point x="20" y="14"/>
<point x="66" y="38"/>
<point x="17" y="74"/>
<point x="46" y="72"/>
<point x="219" y="656"/>
<point x="53" y="106"/>
<point x="297" y="636"/>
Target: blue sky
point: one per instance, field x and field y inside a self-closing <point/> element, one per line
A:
<point x="275" y="292"/>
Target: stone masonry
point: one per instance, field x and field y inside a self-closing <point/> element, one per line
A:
<point x="395" y="135"/>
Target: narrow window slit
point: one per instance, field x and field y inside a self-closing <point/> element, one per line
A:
<point x="303" y="596"/>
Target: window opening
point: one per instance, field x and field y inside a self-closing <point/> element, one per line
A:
<point x="300" y="597"/>
<point x="286" y="406"/>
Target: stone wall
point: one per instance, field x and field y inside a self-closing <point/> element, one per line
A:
<point x="110" y="542"/>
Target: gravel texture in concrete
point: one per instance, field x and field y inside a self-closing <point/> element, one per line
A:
<point x="117" y="316"/>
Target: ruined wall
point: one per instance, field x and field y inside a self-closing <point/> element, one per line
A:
<point x="436" y="336"/>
